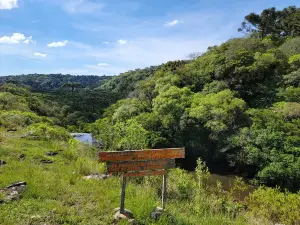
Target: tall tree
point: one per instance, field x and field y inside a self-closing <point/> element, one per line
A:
<point x="261" y="25"/>
<point x="72" y="86"/>
<point x="277" y="23"/>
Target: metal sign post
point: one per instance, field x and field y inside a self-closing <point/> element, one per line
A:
<point x="164" y="192"/>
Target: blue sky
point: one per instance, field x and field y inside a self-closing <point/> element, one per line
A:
<point x="112" y="36"/>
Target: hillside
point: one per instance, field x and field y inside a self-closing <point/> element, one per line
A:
<point x="237" y="105"/>
<point x="53" y="82"/>
<point x="126" y="83"/>
<point x="45" y="177"/>
<point x="235" y="109"/>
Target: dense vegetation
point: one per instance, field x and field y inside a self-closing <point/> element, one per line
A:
<point x="273" y="23"/>
<point x="60" y="193"/>
<point x="237" y="103"/>
<point x="127" y="83"/>
<point x="236" y="106"/>
<point x="51" y="82"/>
<point x="73" y="104"/>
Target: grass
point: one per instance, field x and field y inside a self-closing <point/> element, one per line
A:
<point x="57" y="194"/>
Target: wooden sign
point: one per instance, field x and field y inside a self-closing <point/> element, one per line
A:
<point x="147" y="154"/>
<point x="141" y="163"/>
<point x="133" y="166"/>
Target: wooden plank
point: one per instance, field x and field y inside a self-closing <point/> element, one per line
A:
<point x="123" y="190"/>
<point x="134" y="166"/>
<point x="147" y="154"/>
<point x="146" y="173"/>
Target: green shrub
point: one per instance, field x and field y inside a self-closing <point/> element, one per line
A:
<point x="294" y="61"/>
<point x="276" y="206"/>
<point x="46" y="131"/>
<point x="291" y="47"/>
<point x="18" y="119"/>
<point x="86" y="166"/>
<point x="9" y="101"/>
<point x="181" y="184"/>
<point x="290" y="94"/>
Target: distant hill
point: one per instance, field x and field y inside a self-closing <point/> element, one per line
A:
<point x="52" y="82"/>
<point x="127" y="82"/>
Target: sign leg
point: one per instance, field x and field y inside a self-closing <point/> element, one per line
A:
<point x="122" y="205"/>
<point x="164" y="191"/>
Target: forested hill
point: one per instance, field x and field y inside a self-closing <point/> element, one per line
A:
<point x="51" y="82"/>
<point x="127" y="83"/>
<point x="237" y="104"/>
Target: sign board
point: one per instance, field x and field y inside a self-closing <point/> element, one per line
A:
<point x="147" y="154"/>
<point x="141" y="163"/>
<point x="138" y="166"/>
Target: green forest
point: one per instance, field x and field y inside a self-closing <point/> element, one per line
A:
<point x="235" y="108"/>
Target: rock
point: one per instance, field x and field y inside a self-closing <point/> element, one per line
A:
<point x="35" y="217"/>
<point x="12" y="130"/>
<point x="46" y="161"/>
<point x="18" y="184"/>
<point x="22" y="157"/>
<point x="51" y="153"/>
<point x="156" y="214"/>
<point x="128" y="215"/>
<point x="96" y="177"/>
<point x="30" y="136"/>
<point x="13" y="191"/>
<point x="2" y="162"/>
<point x="132" y="221"/>
<point x="25" y="135"/>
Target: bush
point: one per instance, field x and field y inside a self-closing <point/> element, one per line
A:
<point x="9" y="101"/>
<point x="294" y="61"/>
<point x="18" y="119"/>
<point x="46" y="131"/>
<point x="273" y="205"/>
<point x="181" y="185"/>
<point x="291" y="47"/>
<point x="290" y="94"/>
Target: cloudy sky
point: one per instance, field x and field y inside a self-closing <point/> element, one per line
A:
<point x="112" y="36"/>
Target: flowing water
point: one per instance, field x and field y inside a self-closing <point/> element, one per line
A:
<point x="84" y="137"/>
<point x="227" y="183"/>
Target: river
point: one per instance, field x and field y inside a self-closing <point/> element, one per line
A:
<point x="227" y="183"/>
<point x="84" y="137"/>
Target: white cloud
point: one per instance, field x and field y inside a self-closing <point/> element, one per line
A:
<point x="16" y="38"/>
<point x="28" y="40"/>
<point x="172" y="23"/>
<point x="122" y="42"/>
<point x="106" y="42"/>
<point x="150" y="51"/>
<point x="82" y="6"/>
<point x="38" y="54"/>
<point x="103" y="64"/>
<point x="8" y="4"/>
<point x="57" y="44"/>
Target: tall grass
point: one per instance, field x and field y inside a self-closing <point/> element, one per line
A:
<point x="57" y="194"/>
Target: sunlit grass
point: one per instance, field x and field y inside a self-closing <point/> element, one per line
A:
<point x="57" y="193"/>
